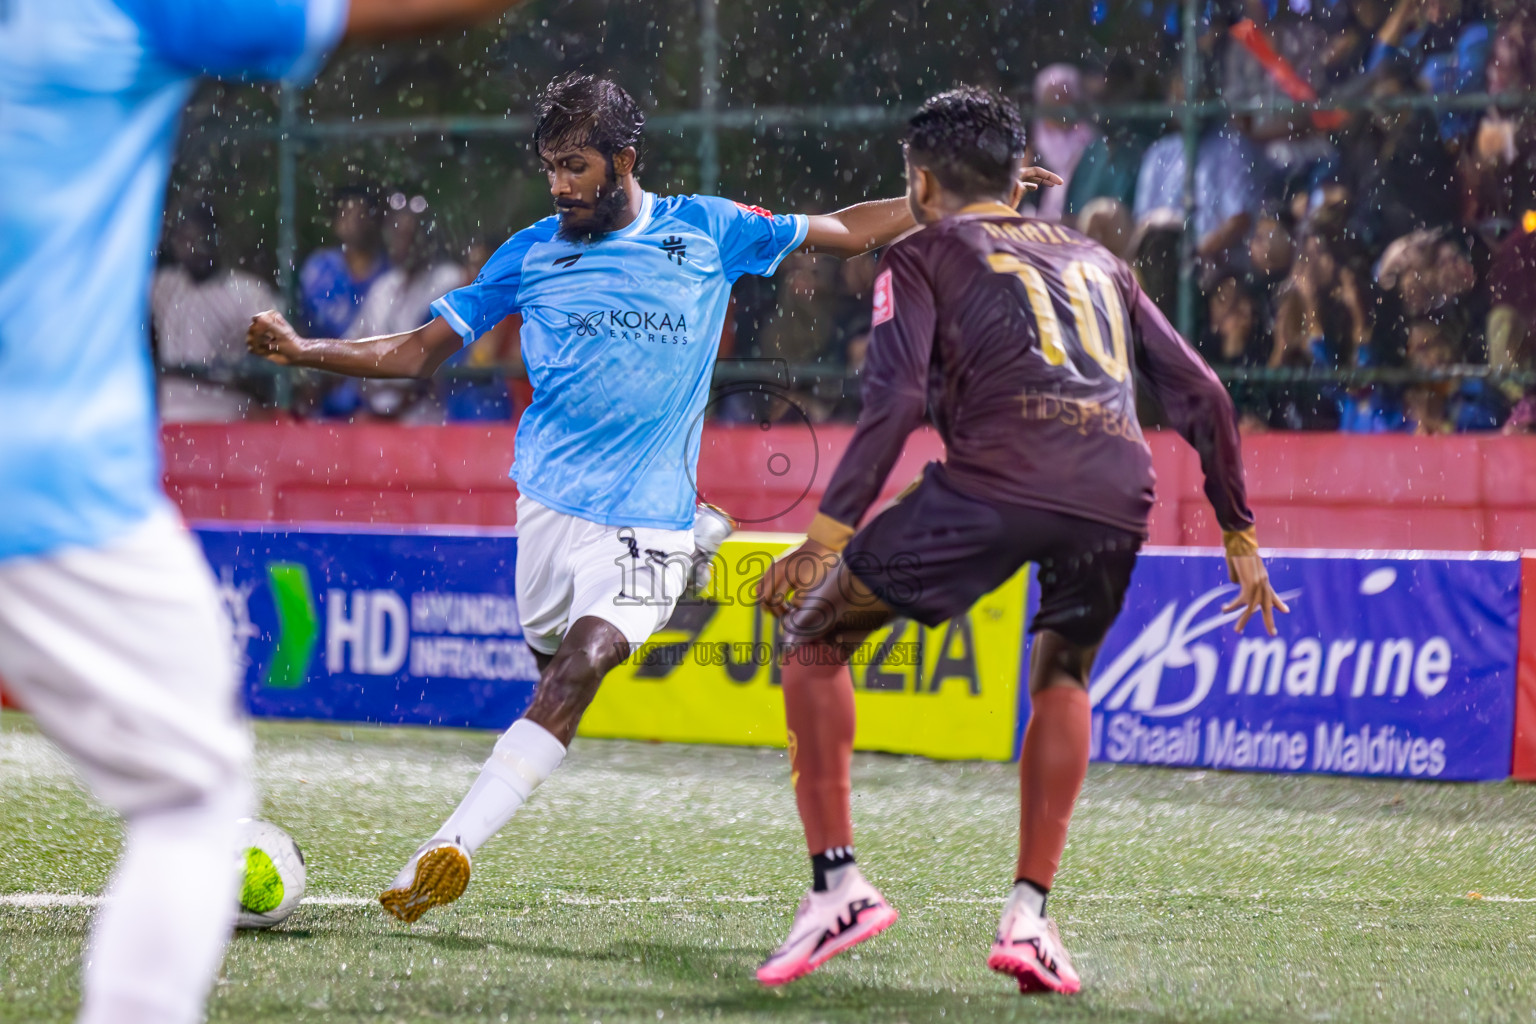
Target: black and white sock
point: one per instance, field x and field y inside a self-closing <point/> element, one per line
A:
<point x="827" y="867"/>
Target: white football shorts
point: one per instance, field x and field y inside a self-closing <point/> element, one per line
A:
<point x="569" y="568"/>
<point x="123" y="655"/>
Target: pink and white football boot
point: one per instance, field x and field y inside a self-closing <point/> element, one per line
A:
<point x="826" y="924"/>
<point x="1029" y="950"/>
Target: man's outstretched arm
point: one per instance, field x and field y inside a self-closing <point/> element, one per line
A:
<point x="390" y="19"/>
<point x="415" y="353"/>
<point x="858" y="229"/>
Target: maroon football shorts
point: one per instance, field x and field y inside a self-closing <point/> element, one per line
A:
<point x="934" y="553"/>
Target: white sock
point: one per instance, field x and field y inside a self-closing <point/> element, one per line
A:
<point x="1026" y="894"/>
<point x="525" y="756"/>
<point x="157" y="942"/>
<point x="836" y="875"/>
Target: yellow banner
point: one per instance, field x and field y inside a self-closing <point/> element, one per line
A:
<point x="950" y="692"/>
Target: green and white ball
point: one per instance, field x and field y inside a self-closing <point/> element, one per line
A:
<point x="273" y="882"/>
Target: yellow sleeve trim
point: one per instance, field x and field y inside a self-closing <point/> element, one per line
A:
<point x="907" y="490"/>
<point x="1240" y="542"/>
<point x="828" y="531"/>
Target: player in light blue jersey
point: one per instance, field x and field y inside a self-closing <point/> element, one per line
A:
<point x="112" y="632"/>
<point x="623" y="296"/>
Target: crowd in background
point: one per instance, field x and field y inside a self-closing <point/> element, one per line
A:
<point x="1389" y="237"/>
<point x="380" y="277"/>
<point x="1383" y="238"/>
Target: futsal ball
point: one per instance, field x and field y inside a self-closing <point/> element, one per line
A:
<point x="273" y="879"/>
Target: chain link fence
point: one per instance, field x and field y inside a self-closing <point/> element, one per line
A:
<point x="798" y="106"/>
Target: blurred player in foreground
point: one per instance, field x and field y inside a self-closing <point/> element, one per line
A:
<point x="111" y="630"/>
<point x="623" y="296"/>
<point x="1021" y="342"/>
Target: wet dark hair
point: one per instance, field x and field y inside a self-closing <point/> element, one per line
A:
<point x="578" y="111"/>
<point x="199" y="215"/>
<point x="970" y="138"/>
<point x="356" y="190"/>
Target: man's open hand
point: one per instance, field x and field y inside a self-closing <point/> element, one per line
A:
<point x="272" y="337"/>
<point x="1255" y="592"/>
<point x="798" y="571"/>
<point x="1033" y="177"/>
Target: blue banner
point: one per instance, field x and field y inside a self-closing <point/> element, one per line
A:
<point x="1399" y="666"/>
<point x="408" y="626"/>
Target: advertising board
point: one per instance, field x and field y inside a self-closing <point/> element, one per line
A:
<point x="421" y="627"/>
<point x="1392" y="664"/>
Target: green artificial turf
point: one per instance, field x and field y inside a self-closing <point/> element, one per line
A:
<point x="645" y="882"/>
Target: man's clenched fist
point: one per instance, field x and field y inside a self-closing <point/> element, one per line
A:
<point x="272" y="337"/>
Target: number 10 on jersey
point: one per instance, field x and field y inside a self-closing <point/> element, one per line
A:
<point x="1090" y="292"/>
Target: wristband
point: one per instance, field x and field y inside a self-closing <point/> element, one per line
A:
<point x="1240" y="542"/>
<point x="828" y="532"/>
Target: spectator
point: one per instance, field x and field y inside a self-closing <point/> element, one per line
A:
<point x="399" y="301"/>
<point x="1110" y="164"/>
<point x="1108" y="222"/>
<point x="1512" y="320"/>
<point x="1444" y="406"/>
<point x="1431" y="276"/>
<point x="1155" y="258"/>
<point x="1295" y="144"/>
<point x="1395" y="172"/>
<point x="1233" y="181"/>
<point x="1059" y="137"/>
<point x="1303" y="319"/>
<point x="1351" y="37"/>
<point x="852" y="309"/>
<point x="1321" y="317"/>
<point x="334" y="282"/>
<point x="846" y="410"/>
<point x="199" y="311"/>
<point x="1444" y="44"/>
<point x="502" y="395"/>
<point x="1300" y="39"/>
<point x="1323" y="321"/>
<point x="401" y="297"/>
<point x="1512" y="298"/>
<point x="1239" y="336"/>
<point x="1270" y="257"/>
<point x="1498" y="168"/>
<point x="801" y="329"/>
<point x="1236" y="335"/>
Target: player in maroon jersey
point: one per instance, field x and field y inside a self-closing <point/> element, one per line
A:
<point x="1021" y="342"/>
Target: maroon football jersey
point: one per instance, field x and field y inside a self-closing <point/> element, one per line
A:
<point x="1022" y="342"/>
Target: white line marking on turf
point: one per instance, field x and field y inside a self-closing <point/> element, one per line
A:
<point x="53" y="900"/>
<point x="47" y="900"/>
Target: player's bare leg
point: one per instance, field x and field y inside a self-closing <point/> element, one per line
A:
<point x="524" y="756"/>
<point x="1052" y="765"/>
<point x="841" y="909"/>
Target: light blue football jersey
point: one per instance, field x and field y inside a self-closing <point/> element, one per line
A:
<point x="90" y="96"/>
<point x="619" y="337"/>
